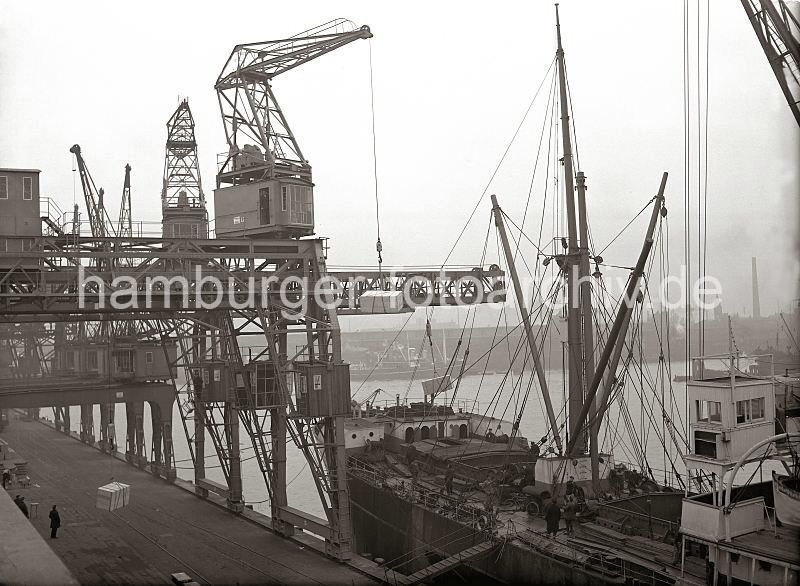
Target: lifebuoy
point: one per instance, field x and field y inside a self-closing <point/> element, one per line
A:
<point x="483" y="522"/>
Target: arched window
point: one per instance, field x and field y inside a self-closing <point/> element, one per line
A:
<point x="409" y="435"/>
<point x="425" y="433"/>
<point x="462" y="431"/>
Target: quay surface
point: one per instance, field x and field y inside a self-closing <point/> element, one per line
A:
<point x="162" y="531"/>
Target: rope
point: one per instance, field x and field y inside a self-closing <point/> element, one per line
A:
<point x="378" y="244"/>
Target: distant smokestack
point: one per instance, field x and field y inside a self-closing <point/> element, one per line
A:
<point x="756" y="303"/>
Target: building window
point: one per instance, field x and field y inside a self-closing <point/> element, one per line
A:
<point x="3" y="187"/>
<point x="27" y="188"/>
<point x="709" y="411"/>
<point x="750" y="410"/>
<point x="91" y="360"/>
<point x="284" y="198"/>
<point x="148" y="357"/>
<point x="124" y="362"/>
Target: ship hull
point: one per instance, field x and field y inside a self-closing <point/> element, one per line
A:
<point x="410" y="537"/>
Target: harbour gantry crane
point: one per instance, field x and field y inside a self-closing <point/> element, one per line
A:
<point x="266" y="171"/>
<point x="261" y="145"/>
<point x="778" y="33"/>
<point x="263" y="210"/>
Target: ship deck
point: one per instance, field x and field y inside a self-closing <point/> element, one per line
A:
<point x="162" y="531"/>
<point x="781" y="543"/>
<point x="651" y="556"/>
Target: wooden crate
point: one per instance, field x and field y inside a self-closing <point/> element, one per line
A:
<point x="113" y="496"/>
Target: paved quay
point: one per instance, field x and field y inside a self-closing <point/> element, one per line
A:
<point x="162" y="531"/>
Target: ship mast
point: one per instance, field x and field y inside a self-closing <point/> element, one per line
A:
<point x="580" y="334"/>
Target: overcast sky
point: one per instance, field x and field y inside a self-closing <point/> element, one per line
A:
<point x="452" y="81"/>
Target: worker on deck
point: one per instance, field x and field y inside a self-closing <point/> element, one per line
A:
<point x="570" y="512"/>
<point x="552" y="514"/>
<point x="448" y="479"/>
<point x="535" y="452"/>
<point x="570" y="489"/>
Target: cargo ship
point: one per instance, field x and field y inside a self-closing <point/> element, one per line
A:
<point x="438" y="490"/>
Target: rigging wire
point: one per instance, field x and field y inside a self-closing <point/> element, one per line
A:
<point x="499" y="163"/>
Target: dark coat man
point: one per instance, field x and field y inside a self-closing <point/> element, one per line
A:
<point x="552" y="514"/>
<point x="55" y="522"/>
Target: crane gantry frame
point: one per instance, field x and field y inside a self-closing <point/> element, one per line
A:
<point x="260" y="394"/>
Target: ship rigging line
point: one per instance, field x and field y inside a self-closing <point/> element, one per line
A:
<point x="632" y="220"/>
<point x="499" y="163"/>
<point x="385" y="351"/>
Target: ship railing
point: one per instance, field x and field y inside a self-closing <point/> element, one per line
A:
<point x="404" y="410"/>
<point x="655" y="525"/>
<point x="771" y="520"/>
<point x="412" y="491"/>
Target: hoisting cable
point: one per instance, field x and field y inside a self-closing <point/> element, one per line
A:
<point x="378" y="244"/>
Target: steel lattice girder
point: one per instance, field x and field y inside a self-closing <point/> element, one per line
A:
<point x="51" y="292"/>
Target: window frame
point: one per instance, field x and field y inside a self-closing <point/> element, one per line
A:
<point x="745" y="411"/>
<point x="4" y="192"/>
<point x="92" y="360"/>
<point x="29" y="181"/>
<point x="704" y="407"/>
<point x="284" y="198"/>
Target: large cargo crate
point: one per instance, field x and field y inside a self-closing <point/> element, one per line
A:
<point x="113" y="496"/>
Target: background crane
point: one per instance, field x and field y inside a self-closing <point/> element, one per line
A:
<point x="99" y="221"/>
<point x="125" y="226"/>
<point x="183" y="204"/>
<point x="778" y="32"/>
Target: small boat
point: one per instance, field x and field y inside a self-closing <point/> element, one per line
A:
<point x="786" y="492"/>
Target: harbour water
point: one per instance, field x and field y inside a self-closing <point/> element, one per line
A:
<point x="489" y="394"/>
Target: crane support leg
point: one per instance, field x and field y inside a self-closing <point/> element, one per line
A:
<point x="87" y="424"/>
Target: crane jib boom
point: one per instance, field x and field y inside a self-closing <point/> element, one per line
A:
<point x="264" y="61"/>
<point x="259" y="138"/>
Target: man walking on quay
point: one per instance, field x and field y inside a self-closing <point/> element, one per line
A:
<point x="55" y="522"/>
<point x="20" y="502"/>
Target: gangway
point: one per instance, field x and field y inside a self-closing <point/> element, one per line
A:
<point x="453" y="561"/>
